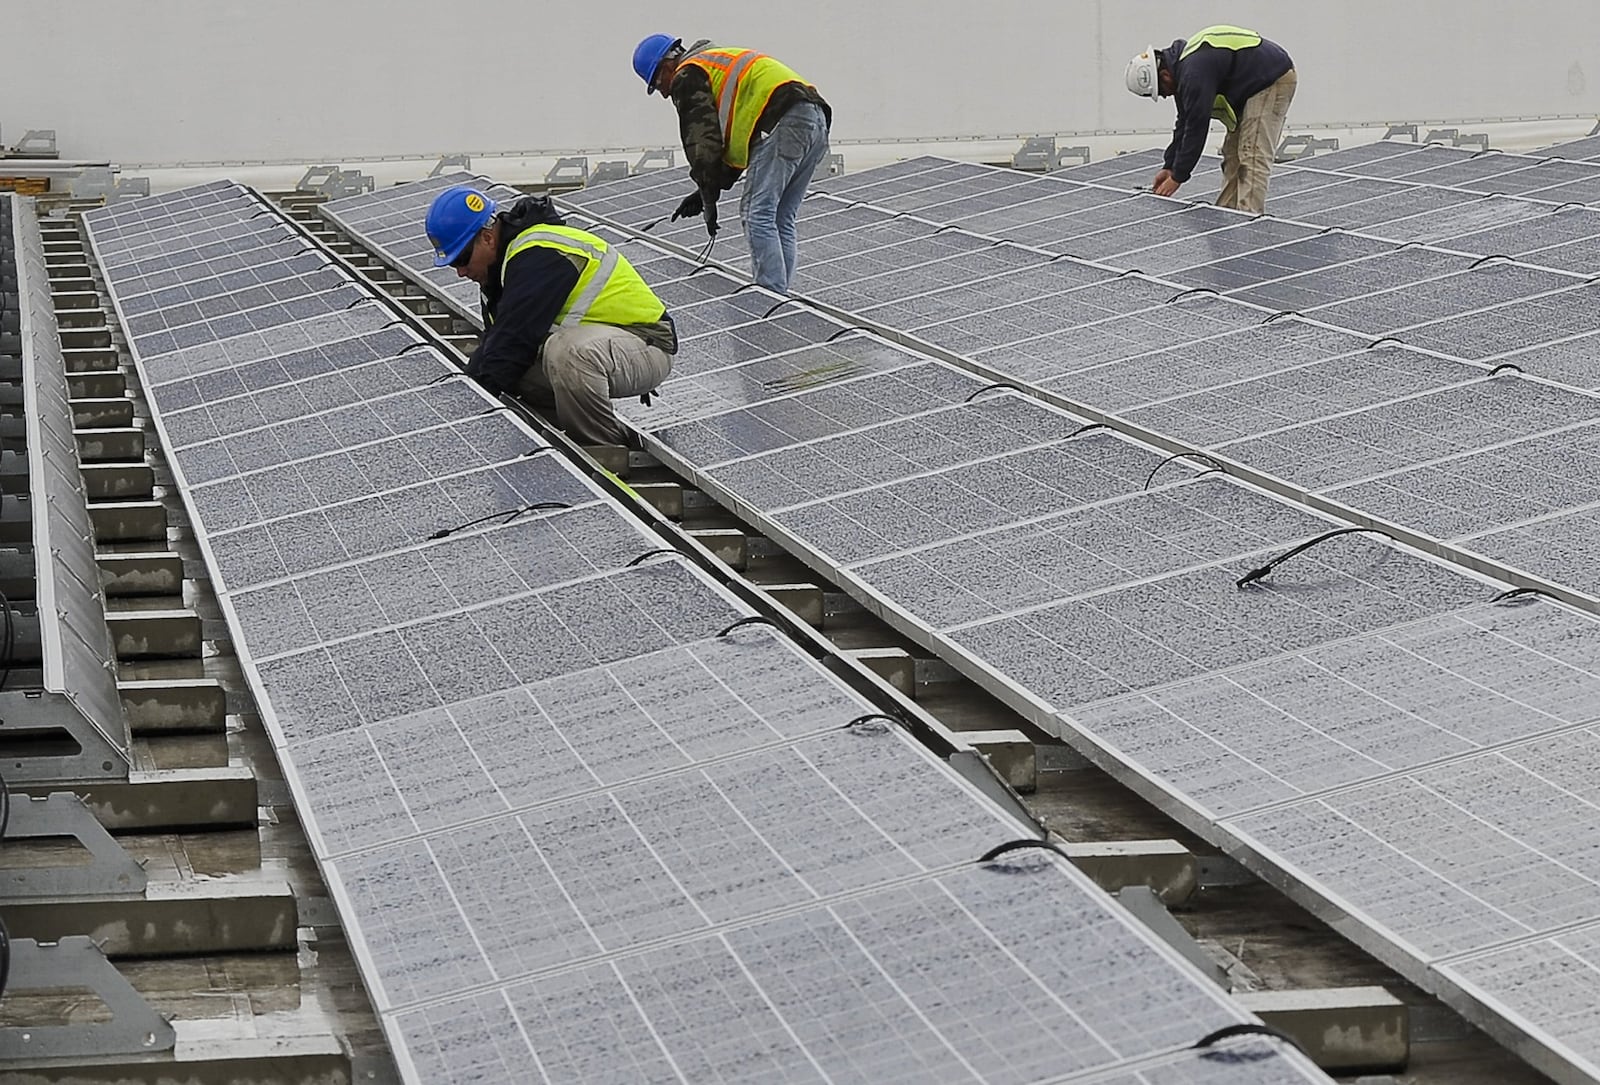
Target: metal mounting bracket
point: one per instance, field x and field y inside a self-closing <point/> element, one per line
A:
<point x="37" y="143"/>
<point x="1146" y="906"/>
<point x="76" y="963"/>
<point x="111" y="871"/>
<point x="568" y="171"/>
<point x="664" y="158"/>
<point x="1304" y="146"/>
<point x="614" y="170"/>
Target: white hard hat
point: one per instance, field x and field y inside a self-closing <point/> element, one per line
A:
<point x="1142" y="75"/>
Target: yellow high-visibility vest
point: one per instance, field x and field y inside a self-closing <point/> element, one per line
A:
<point x="1222" y="37"/>
<point x="609" y="290"/>
<point x="742" y="82"/>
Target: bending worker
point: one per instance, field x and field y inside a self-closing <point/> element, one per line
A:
<point x="742" y="112"/>
<point x="567" y="321"/>
<point x="1235" y="76"/>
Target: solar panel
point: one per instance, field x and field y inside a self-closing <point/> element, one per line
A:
<point x="1381" y="159"/>
<point x="1466" y="291"/>
<point x="1514" y="325"/>
<point x="1280" y="261"/>
<point x="1172" y="256"/>
<point x="1586" y="148"/>
<point x="1544" y="175"/>
<point x="1574" y="361"/>
<point x="1479" y="173"/>
<point x="1512" y="483"/>
<point x="1343" y="447"/>
<point x="1147" y="161"/>
<point x="1388" y="270"/>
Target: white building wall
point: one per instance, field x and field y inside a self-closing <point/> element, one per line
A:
<point x="169" y="81"/>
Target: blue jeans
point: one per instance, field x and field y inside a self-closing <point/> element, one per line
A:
<point x="780" y="168"/>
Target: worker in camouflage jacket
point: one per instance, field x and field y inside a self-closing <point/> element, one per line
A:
<point x="742" y="113"/>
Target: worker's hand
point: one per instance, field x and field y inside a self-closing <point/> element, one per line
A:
<point x="1165" y="184"/>
<point x="711" y="214"/>
<point x="691" y="206"/>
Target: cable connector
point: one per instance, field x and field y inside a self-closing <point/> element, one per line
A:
<point x="505" y="516"/>
<point x="1256" y="574"/>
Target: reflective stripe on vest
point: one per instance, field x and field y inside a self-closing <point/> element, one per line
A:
<point x="1223" y="37"/>
<point x="742" y="82"/>
<point x="609" y="290"/>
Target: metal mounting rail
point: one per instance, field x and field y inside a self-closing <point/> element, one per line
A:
<point x="72" y="727"/>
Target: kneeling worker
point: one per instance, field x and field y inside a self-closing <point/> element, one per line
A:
<point x="567" y="321"/>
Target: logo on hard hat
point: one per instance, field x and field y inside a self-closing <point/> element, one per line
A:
<point x="474" y="202"/>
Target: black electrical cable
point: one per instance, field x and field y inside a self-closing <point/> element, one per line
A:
<point x="1192" y="290"/>
<point x="775" y="308"/>
<point x="1486" y="259"/>
<point x="1085" y="428"/>
<point x="873" y="723"/>
<point x="650" y="554"/>
<point x="842" y="331"/>
<point x="1384" y="339"/>
<point x="1256" y="574"/>
<point x="754" y="619"/>
<point x="5" y="957"/>
<point x="1502" y="367"/>
<point x="1279" y="315"/>
<point x="1026" y="844"/>
<point x="1520" y="593"/>
<point x="5" y="807"/>
<point x="1215" y="466"/>
<point x="1244" y="1029"/>
<point x="508" y="514"/>
<point x="992" y="387"/>
<point x="414" y="346"/>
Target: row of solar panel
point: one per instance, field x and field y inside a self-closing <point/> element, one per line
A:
<point x="988" y="550"/>
<point x="1205" y="372"/>
<point x="569" y="825"/>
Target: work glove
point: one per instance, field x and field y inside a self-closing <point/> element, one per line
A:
<point x="711" y="216"/>
<point x="692" y="205"/>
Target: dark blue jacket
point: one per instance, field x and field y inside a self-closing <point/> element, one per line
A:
<point x="1237" y="75"/>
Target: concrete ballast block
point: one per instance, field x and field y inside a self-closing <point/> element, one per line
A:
<point x="726" y="544"/>
<point x="804" y="601"/>
<point x="1343" y="1029"/>
<point x="1165" y="867"/>
<point x="894" y="665"/>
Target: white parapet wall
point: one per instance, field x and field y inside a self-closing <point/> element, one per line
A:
<point x="164" y="82"/>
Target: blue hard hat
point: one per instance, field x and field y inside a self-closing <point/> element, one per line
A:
<point x="454" y="219"/>
<point x="648" y="54"/>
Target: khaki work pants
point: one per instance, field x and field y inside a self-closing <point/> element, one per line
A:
<point x="582" y="368"/>
<point x="1248" y="151"/>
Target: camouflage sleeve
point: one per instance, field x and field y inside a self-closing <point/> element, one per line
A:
<point x="701" y="130"/>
